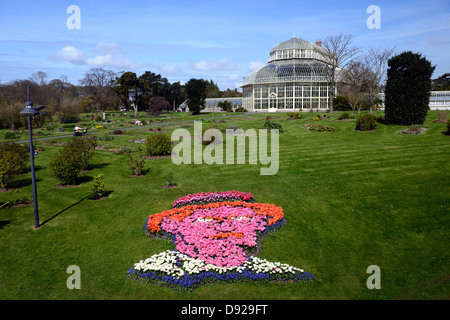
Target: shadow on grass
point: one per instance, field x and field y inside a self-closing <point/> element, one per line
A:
<point x="71" y="206"/>
<point x="4" y="223"/>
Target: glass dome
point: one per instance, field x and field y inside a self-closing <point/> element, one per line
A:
<point x="288" y="71"/>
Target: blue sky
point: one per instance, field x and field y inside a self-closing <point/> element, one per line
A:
<point x="218" y="40"/>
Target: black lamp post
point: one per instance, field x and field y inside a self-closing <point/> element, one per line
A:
<point x="31" y="112"/>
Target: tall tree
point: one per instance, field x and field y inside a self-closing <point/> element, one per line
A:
<point x="408" y="87"/>
<point x="196" y="94"/>
<point x="339" y="51"/>
<point x="126" y="82"/>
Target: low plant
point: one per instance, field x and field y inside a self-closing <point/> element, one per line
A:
<point x="318" y="128"/>
<point x="99" y="186"/>
<point x="136" y="163"/>
<point x="442" y="116"/>
<point x="240" y="109"/>
<point x="295" y="115"/>
<point x="10" y="135"/>
<point x="344" y="116"/>
<point x="273" y="125"/>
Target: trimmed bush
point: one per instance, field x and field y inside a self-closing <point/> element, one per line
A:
<point x="158" y="145"/>
<point x="74" y="157"/>
<point x="365" y="122"/>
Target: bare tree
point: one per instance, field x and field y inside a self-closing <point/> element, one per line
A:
<point x="376" y="60"/>
<point x="354" y="84"/>
<point x="339" y="51"/>
<point x="100" y="83"/>
<point x="39" y="77"/>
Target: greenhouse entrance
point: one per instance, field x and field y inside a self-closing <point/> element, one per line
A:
<point x="273" y="107"/>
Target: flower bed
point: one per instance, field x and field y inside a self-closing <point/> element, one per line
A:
<point x="214" y="241"/>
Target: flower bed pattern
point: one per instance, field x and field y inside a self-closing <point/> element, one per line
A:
<point x="216" y="241"/>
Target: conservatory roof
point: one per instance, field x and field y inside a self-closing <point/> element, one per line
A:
<point x="289" y="71"/>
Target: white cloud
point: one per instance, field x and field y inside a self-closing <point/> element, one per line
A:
<point x="112" y="60"/>
<point x="216" y="65"/>
<point x="113" y="56"/>
<point x="233" y="77"/>
<point x="255" y="65"/>
<point x="70" y="54"/>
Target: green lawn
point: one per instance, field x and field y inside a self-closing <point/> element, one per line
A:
<point x="351" y="199"/>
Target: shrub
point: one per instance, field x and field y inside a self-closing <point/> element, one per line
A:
<point x="99" y="186"/>
<point x="136" y="163"/>
<point x="340" y="103"/>
<point x="12" y="162"/>
<point x="273" y="125"/>
<point x="10" y="135"/>
<point x="158" y="145"/>
<point x="69" y="118"/>
<point x="85" y="146"/>
<point x="74" y="157"/>
<point x="345" y="116"/>
<point x="365" y="122"/>
<point x="240" y="109"/>
<point x="295" y="115"/>
<point x="65" y="166"/>
<point x="316" y="118"/>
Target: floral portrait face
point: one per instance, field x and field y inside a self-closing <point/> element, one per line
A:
<point x="213" y="234"/>
<point x="218" y="235"/>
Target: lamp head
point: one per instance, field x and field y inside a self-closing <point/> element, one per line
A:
<point x="29" y="109"/>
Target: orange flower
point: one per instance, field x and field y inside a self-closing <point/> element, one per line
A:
<point x="273" y="212"/>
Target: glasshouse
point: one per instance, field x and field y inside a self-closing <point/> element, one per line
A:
<point x="295" y="78"/>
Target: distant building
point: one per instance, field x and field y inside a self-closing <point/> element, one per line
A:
<point x="439" y="100"/>
<point x="211" y="104"/>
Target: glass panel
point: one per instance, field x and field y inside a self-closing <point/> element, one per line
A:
<point x="264" y="103"/>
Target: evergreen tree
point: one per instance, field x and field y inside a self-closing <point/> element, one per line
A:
<point x="408" y="87"/>
<point x="196" y="93"/>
